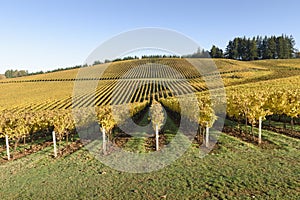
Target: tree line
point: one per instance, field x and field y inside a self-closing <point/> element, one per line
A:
<point x="240" y="48"/>
<point x="257" y="48"/>
<point x="98" y="62"/>
<point x="15" y="73"/>
<point x="19" y="73"/>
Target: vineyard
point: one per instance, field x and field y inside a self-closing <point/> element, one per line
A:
<point x="48" y="88"/>
<point x="259" y="100"/>
<point x="255" y="91"/>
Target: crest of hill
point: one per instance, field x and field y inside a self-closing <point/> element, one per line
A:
<point x="111" y="70"/>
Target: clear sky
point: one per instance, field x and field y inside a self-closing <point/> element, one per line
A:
<point x="47" y="34"/>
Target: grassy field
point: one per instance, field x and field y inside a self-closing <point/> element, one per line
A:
<point x="234" y="170"/>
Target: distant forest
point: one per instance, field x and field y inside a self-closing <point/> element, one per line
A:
<point x="258" y="48"/>
<point x="19" y="73"/>
<point x="240" y="48"/>
<point x="15" y="73"/>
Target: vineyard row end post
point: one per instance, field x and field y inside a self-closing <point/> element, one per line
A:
<point x="207" y="136"/>
<point x="54" y="143"/>
<point x="7" y="147"/>
<point x="259" y="129"/>
<point x="156" y="138"/>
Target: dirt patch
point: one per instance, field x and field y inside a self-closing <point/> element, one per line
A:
<point x="150" y="142"/>
<point x="71" y="148"/>
<point x="27" y="151"/>
<point x="121" y="141"/>
<point x="287" y="132"/>
<point x="247" y="137"/>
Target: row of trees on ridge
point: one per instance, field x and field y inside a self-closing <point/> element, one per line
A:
<point x="256" y="48"/>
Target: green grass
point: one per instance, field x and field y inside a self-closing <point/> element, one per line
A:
<point x="136" y="144"/>
<point x="235" y="170"/>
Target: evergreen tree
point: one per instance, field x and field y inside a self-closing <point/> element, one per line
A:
<point x="272" y="48"/>
<point x="297" y="54"/>
<point x="242" y="49"/>
<point x="229" y="50"/>
<point x="265" y="48"/>
<point x="213" y="51"/>
<point x="216" y="52"/>
<point x="220" y="53"/>
<point x="292" y="44"/>
<point x="286" y="47"/>
<point x="252" y="45"/>
<point x="260" y="47"/>
<point x="236" y="49"/>
<point x="280" y="47"/>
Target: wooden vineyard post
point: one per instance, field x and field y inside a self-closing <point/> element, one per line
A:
<point x="207" y="136"/>
<point x="104" y="141"/>
<point x="259" y="130"/>
<point x="156" y="138"/>
<point x="7" y="147"/>
<point x="54" y="143"/>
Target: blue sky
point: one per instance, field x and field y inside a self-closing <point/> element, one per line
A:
<point x="47" y="34"/>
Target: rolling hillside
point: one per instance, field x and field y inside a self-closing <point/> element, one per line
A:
<point x="246" y="162"/>
<point x="57" y="87"/>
